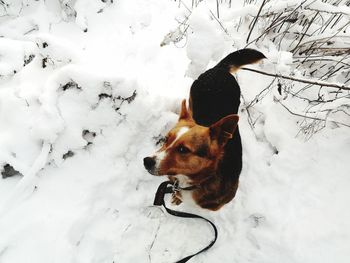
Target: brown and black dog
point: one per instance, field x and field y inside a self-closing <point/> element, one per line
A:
<point x="203" y="152"/>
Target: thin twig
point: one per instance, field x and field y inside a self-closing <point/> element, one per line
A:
<point x="314" y="82"/>
<point x="153" y="241"/>
<point x="326" y="11"/>
<point x="261" y="94"/>
<point x="310" y="117"/>
<point x="304" y="33"/>
<point x="217" y="8"/>
<point x="256" y="19"/>
<point x="322" y="59"/>
<point x="275" y="24"/>
<point x="217" y="20"/>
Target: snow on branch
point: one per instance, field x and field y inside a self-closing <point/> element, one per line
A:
<point x="328" y="8"/>
<point x="308" y="81"/>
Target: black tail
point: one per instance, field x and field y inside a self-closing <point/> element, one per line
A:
<point x="240" y="58"/>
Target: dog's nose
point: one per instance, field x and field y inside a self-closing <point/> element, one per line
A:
<point x="149" y="162"/>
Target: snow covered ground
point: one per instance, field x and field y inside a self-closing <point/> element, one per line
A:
<point x="83" y="100"/>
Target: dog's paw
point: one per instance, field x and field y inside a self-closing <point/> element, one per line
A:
<point x="176" y="199"/>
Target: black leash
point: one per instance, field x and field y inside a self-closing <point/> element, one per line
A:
<point x="163" y="189"/>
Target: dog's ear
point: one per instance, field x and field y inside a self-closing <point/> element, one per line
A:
<point x="223" y="129"/>
<point x="185" y="114"/>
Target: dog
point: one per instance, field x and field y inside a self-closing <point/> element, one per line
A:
<point x="203" y="152"/>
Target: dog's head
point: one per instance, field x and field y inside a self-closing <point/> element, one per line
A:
<point x="191" y="149"/>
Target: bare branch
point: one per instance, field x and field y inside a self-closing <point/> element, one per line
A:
<point x="309" y="81"/>
<point x="310" y="117"/>
<point x="256" y="19"/>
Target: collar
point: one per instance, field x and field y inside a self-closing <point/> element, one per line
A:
<point x="177" y="187"/>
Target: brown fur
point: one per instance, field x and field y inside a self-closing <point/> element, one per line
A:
<point x="208" y="155"/>
<point x="205" y="145"/>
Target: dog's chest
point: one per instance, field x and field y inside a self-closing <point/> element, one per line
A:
<point x="186" y="195"/>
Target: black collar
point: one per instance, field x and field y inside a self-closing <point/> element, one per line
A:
<point x="177" y="188"/>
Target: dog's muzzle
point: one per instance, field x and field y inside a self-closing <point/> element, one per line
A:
<point x="150" y="165"/>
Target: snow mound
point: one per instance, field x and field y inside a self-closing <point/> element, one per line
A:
<point x="87" y="92"/>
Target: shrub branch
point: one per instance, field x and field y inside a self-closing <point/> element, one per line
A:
<point x="309" y="81"/>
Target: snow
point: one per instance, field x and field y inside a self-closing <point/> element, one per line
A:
<point x="77" y="130"/>
<point x="206" y="43"/>
<point x="330" y="8"/>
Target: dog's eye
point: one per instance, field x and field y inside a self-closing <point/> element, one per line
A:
<point x="183" y="149"/>
<point x="202" y="153"/>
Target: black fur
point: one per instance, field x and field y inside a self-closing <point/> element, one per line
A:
<point x="216" y="94"/>
<point x="240" y="58"/>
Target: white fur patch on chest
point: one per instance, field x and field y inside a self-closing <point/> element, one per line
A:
<point x="183" y="180"/>
<point x="186" y="195"/>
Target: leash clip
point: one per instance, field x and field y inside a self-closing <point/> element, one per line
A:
<point x="176" y="187"/>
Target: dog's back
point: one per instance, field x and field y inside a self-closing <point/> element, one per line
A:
<point x="216" y="94"/>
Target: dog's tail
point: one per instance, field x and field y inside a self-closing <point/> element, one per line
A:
<point x="240" y="58"/>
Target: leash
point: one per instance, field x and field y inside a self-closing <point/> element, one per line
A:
<point x="163" y="189"/>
